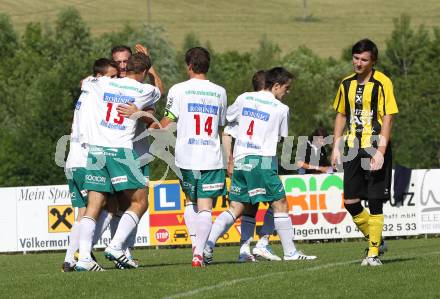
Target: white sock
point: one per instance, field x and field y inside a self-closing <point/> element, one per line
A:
<point x="114" y="224"/>
<point x="221" y="225"/>
<point x="101" y="225"/>
<point x="246" y="246"/>
<point x="268" y="224"/>
<point x="190" y="216"/>
<point x="263" y="242"/>
<point x="247" y="228"/>
<point x="129" y="243"/>
<point x="204" y="224"/>
<point x="283" y="225"/>
<point x="73" y="244"/>
<point x="126" y="225"/>
<point x="87" y="229"/>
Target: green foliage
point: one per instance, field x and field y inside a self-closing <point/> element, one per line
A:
<point x="8" y="37"/>
<point x="313" y="90"/>
<point x="412" y="60"/>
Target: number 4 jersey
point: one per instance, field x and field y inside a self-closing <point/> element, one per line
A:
<point x="103" y="125"/>
<point x="199" y="106"/>
<point x="261" y="120"/>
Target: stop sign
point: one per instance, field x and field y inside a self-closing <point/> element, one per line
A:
<point x="162" y="235"/>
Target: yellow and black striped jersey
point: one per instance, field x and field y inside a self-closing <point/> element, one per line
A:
<point x="364" y="106"/>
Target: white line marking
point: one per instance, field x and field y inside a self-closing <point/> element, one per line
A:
<point x="324" y="266"/>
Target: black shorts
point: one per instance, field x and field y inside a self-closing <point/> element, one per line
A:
<point x="363" y="183"/>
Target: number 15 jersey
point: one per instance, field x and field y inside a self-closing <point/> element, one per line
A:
<point x="103" y="125"/>
<point x="261" y="120"/>
<point x="199" y="106"/>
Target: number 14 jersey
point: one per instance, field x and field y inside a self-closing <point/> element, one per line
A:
<point x="261" y="119"/>
<point x="199" y="106"/>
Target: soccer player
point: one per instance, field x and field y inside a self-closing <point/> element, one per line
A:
<point x="199" y="108"/>
<point x="75" y="169"/>
<point x="315" y="160"/>
<point x="364" y="106"/>
<point x="121" y="54"/>
<point x="262" y="118"/>
<point x="262" y="248"/>
<point x="112" y="164"/>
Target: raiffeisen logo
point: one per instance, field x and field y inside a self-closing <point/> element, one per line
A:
<point x="310" y="197"/>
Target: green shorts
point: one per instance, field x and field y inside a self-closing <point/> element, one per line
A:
<point x="78" y="194"/>
<point x="203" y="183"/>
<point x="255" y="179"/>
<point x="113" y="169"/>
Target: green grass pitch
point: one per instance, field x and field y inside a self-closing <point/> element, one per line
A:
<point x="410" y="270"/>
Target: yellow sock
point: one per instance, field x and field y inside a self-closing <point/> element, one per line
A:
<point x="362" y="222"/>
<point x="376" y="226"/>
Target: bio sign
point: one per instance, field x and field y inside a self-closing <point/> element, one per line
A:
<point x="316" y="207"/>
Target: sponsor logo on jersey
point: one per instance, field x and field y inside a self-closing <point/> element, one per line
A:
<point x="119" y="179"/>
<point x="196" y="141"/>
<point x="202" y="108"/>
<point x="112" y="126"/>
<point x="78" y="105"/>
<point x="84" y="193"/>
<point x="116" y="98"/>
<point x="266" y="102"/>
<point x="247" y="144"/>
<point x="254" y="113"/>
<point x="235" y="189"/>
<point x="128" y="87"/>
<point x="256" y="191"/>
<point x="211" y="187"/>
<point x="203" y="93"/>
<point x="95" y="178"/>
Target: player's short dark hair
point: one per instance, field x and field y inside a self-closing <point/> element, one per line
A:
<point x="320" y="131"/>
<point x="121" y="48"/>
<point x="366" y="45"/>
<point x="277" y="75"/>
<point x="199" y="58"/>
<point x="258" y="80"/>
<point x="138" y="63"/>
<point x="101" y="65"/>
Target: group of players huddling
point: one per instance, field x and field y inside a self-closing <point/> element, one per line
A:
<point x="107" y="165"/>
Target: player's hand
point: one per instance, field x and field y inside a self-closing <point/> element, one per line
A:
<point x="127" y="110"/>
<point x="376" y="161"/>
<point x="142" y="49"/>
<point x="336" y="158"/>
<point x="325" y="169"/>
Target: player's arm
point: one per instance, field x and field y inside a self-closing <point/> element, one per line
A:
<point x="384" y="137"/>
<point x="129" y="110"/>
<point x="228" y="147"/>
<point x="322" y="169"/>
<point x="152" y="74"/>
<point x="166" y="121"/>
<point x="340" y="122"/>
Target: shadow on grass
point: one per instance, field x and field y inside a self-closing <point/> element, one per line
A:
<point x="398" y="260"/>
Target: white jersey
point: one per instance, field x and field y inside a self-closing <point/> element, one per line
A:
<point x="200" y="108"/>
<point x="261" y="119"/>
<point x="77" y="156"/>
<point x="103" y="125"/>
